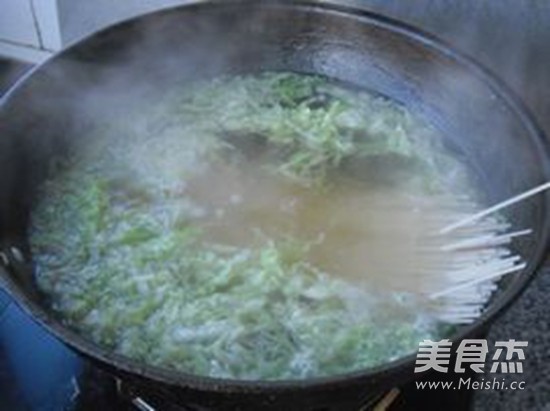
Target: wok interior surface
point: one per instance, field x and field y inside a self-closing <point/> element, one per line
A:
<point x="126" y="67"/>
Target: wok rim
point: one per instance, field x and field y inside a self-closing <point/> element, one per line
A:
<point x="171" y="377"/>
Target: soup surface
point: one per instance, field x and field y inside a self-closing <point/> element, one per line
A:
<point x="272" y="226"/>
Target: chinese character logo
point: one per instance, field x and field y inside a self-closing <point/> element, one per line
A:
<point x="433" y="355"/>
<point x="436" y="355"/>
<point x="473" y="352"/>
<point x="512" y="347"/>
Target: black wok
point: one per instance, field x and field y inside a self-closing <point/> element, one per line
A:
<point x="46" y="112"/>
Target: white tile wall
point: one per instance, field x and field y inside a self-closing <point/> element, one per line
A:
<point x="32" y="29"/>
<point x="47" y="17"/>
<point x="17" y="24"/>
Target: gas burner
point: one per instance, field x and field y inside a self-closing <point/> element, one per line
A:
<point x="98" y="390"/>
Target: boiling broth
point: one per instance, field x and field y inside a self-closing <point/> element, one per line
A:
<point x="256" y="227"/>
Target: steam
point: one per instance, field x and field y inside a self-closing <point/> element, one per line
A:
<point x="122" y="75"/>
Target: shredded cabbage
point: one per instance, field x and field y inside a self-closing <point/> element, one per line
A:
<point x="120" y="257"/>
